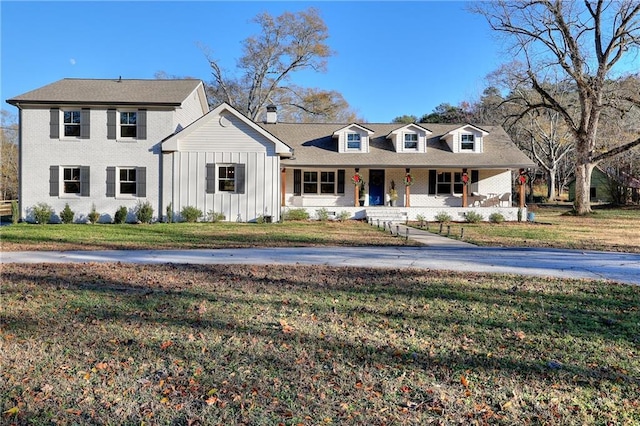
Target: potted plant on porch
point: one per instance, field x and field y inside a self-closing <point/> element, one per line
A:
<point x="393" y="194"/>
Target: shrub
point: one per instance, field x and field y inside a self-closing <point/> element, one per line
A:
<point x="344" y="215"/>
<point x="296" y="214"/>
<point x="190" y="214"/>
<point x="66" y="215"/>
<point x="216" y="217"/>
<point x="323" y="214"/>
<point x="144" y="212"/>
<point x="496" y="218"/>
<point x="443" y="217"/>
<point x="42" y="213"/>
<point x="170" y="213"/>
<point x="421" y="220"/>
<point x="93" y="216"/>
<point x="473" y="217"/>
<point x="15" y="212"/>
<point x="121" y="215"/>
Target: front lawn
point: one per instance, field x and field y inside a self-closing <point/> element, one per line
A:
<point x="179" y="344"/>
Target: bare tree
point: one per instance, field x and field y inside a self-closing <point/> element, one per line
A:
<point x="9" y="156"/>
<point x="578" y="43"/>
<point x="287" y="43"/>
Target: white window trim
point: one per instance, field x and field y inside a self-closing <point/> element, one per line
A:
<point x="219" y="179"/>
<point x="319" y="192"/>
<point x="404" y="142"/>
<point x="119" y="182"/>
<point x="359" y="141"/>
<point x="62" y="124"/>
<point x="473" y="142"/>
<point x="119" y="125"/>
<point x="61" y="191"/>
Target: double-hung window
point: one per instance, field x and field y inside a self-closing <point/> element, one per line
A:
<point x="327" y="182"/>
<point x="128" y="124"/>
<point x="128" y="181"/>
<point x="444" y="183"/>
<point x="227" y="178"/>
<point x="353" y="141"/>
<point x="410" y="141"/>
<point x="467" y="142"/>
<point x="71" y="120"/>
<point x="310" y="183"/>
<point x="71" y="180"/>
<point x="457" y="183"/>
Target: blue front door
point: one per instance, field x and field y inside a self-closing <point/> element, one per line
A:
<point x="376" y="187"/>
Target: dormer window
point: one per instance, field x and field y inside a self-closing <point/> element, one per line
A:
<point x="467" y="142"/>
<point x="410" y="141"/>
<point x="353" y="141"/>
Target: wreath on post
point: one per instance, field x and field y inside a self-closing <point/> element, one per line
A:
<point x="408" y="180"/>
<point x="356" y="179"/>
<point x="522" y="179"/>
<point x="465" y="178"/>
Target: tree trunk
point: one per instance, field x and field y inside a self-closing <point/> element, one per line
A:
<point x="551" y="184"/>
<point x="582" y="203"/>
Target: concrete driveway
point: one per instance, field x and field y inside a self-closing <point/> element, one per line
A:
<point x="618" y="267"/>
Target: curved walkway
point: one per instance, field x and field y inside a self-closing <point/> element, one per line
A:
<point x="439" y="253"/>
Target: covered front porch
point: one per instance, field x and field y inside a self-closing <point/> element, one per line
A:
<point x="400" y="194"/>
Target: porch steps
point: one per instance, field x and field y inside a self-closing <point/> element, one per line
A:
<point x="394" y="215"/>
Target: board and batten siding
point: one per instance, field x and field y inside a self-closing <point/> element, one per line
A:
<point x="261" y="191"/>
<point x="226" y="133"/>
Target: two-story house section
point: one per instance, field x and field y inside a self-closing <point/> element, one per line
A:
<point x="95" y="142"/>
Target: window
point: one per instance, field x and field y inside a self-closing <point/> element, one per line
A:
<point x="128" y="181"/>
<point x="444" y="183"/>
<point x="71" y="121"/>
<point x="310" y="183"/>
<point x="410" y="141"/>
<point x="457" y="183"/>
<point x="467" y="142"/>
<point x="227" y="178"/>
<point x="353" y="141"/>
<point x="71" y="180"/>
<point x="327" y="182"/>
<point x="128" y="126"/>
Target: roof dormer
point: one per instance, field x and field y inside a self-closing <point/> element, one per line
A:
<point x="466" y="139"/>
<point x="411" y="138"/>
<point x="353" y="138"/>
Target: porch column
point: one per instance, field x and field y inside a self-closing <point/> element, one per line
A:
<point x="356" y="190"/>
<point x="465" y="180"/>
<point x="407" y="191"/>
<point x="283" y="185"/>
<point x="522" y="179"/>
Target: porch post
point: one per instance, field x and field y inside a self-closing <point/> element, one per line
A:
<point x="407" y="191"/>
<point x="464" y="189"/>
<point x="283" y="185"/>
<point x="521" y="184"/>
<point x="356" y="192"/>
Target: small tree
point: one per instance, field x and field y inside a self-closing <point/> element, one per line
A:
<point x="121" y="215"/>
<point x="67" y="215"/>
<point x="42" y="213"/>
<point x="93" y="216"/>
<point x="144" y="212"/>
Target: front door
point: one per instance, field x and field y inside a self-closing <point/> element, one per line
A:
<point x="376" y="187"/>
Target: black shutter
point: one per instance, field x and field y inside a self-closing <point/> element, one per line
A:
<point x="475" y="176"/>
<point x="54" y="181"/>
<point x="141" y="181"/>
<point x="111" y="182"/>
<point x="297" y="182"/>
<point x="142" y="124"/>
<point x="210" y="178"/>
<point x="240" y="178"/>
<point x="85" y="117"/>
<point x="84" y="181"/>
<point x="111" y="125"/>
<point x="54" y="123"/>
<point x="340" y="181"/>
<point x="433" y="180"/>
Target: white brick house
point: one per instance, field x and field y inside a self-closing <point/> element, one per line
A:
<point x="113" y="143"/>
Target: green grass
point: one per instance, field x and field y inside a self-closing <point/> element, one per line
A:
<point x="178" y="344"/>
<point x="191" y="236"/>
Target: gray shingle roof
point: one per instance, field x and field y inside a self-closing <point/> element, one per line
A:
<point x="115" y="91"/>
<point x="314" y="146"/>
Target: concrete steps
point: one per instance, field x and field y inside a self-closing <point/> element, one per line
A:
<point x="386" y="214"/>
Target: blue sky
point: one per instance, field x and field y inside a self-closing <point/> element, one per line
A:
<point x="392" y="58"/>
